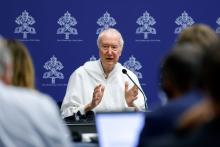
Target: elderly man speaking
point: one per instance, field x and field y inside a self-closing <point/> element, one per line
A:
<point x="100" y="85"/>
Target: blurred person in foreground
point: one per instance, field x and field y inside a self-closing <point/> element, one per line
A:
<point x="181" y="80"/>
<point x="23" y="69"/>
<point x="27" y="118"/>
<point x="199" y="125"/>
<point x="200" y="34"/>
<point x="100" y="85"/>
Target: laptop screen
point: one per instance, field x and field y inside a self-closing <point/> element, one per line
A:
<point x="120" y="129"/>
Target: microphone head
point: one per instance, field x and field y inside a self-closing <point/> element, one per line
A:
<point x="124" y="71"/>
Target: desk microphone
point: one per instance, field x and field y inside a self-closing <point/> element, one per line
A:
<point x="124" y="71"/>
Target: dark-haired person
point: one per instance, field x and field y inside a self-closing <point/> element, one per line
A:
<point x="181" y="80"/>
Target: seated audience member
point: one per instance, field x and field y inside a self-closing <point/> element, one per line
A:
<point x="208" y="109"/>
<point x="100" y="85"/>
<point x="23" y="70"/>
<point x="27" y="118"/>
<point x="164" y="120"/>
<point x="179" y="80"/>
<point x="199" y="126"/>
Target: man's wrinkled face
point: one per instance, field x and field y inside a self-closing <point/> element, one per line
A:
<point x="109" y="50"/>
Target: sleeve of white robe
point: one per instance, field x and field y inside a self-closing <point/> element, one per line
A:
<point x="72" y="101"/>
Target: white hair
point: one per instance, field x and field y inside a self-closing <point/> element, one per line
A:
<point x="5" y="56"/>
<point x="110" y="30"/>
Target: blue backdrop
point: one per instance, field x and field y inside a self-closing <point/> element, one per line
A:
<point x="61" y="35"/>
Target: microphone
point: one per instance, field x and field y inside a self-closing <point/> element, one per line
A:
<point x="124" y="71"/>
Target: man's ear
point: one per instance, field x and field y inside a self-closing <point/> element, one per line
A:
<point x="120" y="52"/>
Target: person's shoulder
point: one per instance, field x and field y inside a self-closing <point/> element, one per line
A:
<point x="187" y="100"/>
<point x="92" y="67"/>
<point x="90" y="63"/>
<point x="175" y="107"/>
<point x="33" y="102"/>
<point x="26" y="96"/>
<point x="79" y="70"/>
<point x="86" y="65"/>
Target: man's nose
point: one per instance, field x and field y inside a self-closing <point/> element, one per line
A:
<point x="109" y="51"/>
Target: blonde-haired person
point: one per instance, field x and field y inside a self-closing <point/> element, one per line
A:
<point x="199" y="34"/>
<point x="23" y="69"/>
<point x="28" y="118"/>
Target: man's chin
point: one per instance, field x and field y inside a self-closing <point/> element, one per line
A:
<point x="110" y="64"/>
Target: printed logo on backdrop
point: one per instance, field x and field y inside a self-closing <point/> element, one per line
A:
<point x="134" y="65"/>
<point x="25" y="27"/>
<point x="218" y="28"/>
<point x="53" y="67"/>
<point x="92" y="58"/>
<point x="66" y="29"/>
<point x="183" y="21"/>
<point x="106" y="21"/>
<point x="146" y="23"/>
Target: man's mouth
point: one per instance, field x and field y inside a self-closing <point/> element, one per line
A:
<point x="109" y="59"/>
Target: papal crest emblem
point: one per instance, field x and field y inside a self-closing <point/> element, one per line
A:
<point x="106" y="21"/>
<point x="133" y="65"/>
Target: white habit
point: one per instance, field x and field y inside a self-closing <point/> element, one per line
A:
<point x="83" y="81"/>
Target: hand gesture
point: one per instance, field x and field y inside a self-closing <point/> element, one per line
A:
<point x="131" y="94"/>
<point x="97" y="95"/>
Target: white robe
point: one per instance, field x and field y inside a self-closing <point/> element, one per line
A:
<point x="83" y="81"/>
